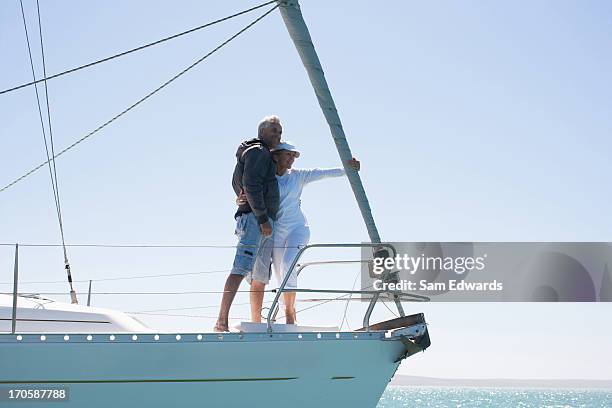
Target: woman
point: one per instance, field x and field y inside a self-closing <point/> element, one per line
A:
<point x="291" y="230"/>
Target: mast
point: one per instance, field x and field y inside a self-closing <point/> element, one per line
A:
<point x="292" y="16"/>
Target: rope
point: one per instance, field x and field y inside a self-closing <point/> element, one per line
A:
<point x="142" y="47"/>
<point x="149" y="95"/>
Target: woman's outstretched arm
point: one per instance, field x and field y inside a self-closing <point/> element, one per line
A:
<point x="310" y="175"/>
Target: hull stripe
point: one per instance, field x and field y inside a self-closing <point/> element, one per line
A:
<point x="149" y="381"/>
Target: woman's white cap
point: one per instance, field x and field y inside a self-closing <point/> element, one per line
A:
<point x="286" y="145"/>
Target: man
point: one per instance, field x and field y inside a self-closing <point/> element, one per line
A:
<point x="255" y="175"/>
<point x="291" y="229"/>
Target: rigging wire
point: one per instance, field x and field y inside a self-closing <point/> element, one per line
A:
<point x="142" y="47"/>
<point x="192" y="308"/>
<point x="140" y="246"/>
<point x="51" y="162"/>
<point x="192" y="292"/>
<point x="344" y="320"/>
<point x="186" y="308"/>
<point x="110" y="121"/>
<point x="54" y="179"/>
<point x="40" y="114"/>
<point x="231" y="318"/>
<point x="73" y="296"/>
<point x="389" y="309"/>
<point x="125" y="277"/>
<point x="186" y="315"/>
<point x="134" y="105"/>
<point x="341" y="297"/>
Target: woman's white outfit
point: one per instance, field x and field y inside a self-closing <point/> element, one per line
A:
<point x="291" y="227"/>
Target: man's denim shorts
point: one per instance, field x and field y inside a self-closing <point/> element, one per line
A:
<point x="254" y="251"/>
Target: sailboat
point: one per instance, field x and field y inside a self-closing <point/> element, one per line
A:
<point x="94" y="357"/>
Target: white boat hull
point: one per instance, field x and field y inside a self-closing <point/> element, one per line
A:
<point x="233" y="370"/>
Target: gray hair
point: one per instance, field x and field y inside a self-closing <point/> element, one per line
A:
<point x="267" y="122"/>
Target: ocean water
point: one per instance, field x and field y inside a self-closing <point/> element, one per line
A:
<point x="445" y="397"/>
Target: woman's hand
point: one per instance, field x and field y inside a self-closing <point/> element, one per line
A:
<point x="354" y="164"/>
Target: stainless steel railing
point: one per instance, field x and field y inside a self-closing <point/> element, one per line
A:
<point x="375" y="294"/>
<point x="300" y="267"/>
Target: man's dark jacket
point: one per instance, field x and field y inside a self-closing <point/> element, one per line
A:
<point x="255" y="174"/>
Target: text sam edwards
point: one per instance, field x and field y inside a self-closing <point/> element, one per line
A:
<point x="451" y="285"/>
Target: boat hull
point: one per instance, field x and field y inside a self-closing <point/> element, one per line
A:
<point x="210" y="370"/>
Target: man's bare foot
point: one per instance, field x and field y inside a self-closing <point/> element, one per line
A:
<point x="221" y="327"/>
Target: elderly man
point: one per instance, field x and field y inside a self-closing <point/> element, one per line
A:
<point x="255" y="175"/>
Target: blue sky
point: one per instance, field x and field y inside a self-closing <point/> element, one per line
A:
<point x="474" y="121"/>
